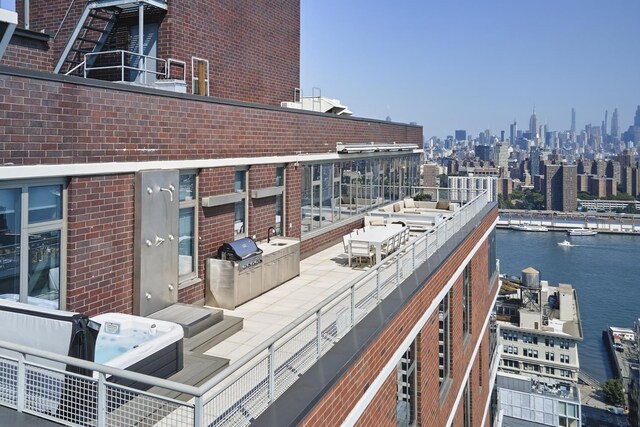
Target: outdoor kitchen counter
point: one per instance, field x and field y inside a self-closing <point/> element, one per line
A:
<point x="230" y="285"/>
<point x="280" y="261"/>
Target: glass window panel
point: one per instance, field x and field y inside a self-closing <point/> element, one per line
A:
<point x="10" y="241"/>
<point x="279" y="214"/>
<point x="327" y="191"/>
<point x="239" y="219"/>
<point x="44" y="269"/>
<point x="186" y="242"/>
<point x="315" y="208"/>
<point x="279" y="176"/>
<point x="336" y="201"/>
<point x="305" y="204"/>
<point x="187" y="187"/>
<point x="45" y="203"/>
<point x="240" y="181"/>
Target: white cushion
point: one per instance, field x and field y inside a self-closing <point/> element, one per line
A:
<point x="409" y="203"/>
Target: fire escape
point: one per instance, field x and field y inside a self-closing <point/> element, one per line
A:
<point x="84" y="54"/>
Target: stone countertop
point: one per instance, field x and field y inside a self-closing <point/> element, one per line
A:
<point x="276" y="244"/>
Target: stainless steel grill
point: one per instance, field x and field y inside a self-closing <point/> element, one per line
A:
<point x="244" y="252"/>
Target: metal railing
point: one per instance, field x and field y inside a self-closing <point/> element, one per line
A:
<point x="243" y="390"/>
<point x="130" y="62"/>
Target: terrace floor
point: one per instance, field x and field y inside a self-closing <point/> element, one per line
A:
<point x="321" y="275"/>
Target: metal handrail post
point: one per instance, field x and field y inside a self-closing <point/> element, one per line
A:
<point x="272" y="375"/>
<point x="21" y="382"/>
<point x="379" y="291"/>
<point x="413" y="257"/>
<point x="101" y="410"/>
<point x="353" y="306"/>
<point x="122" y="65"/>
<point x="319" y="333"/>
<point x="198" y="412"/>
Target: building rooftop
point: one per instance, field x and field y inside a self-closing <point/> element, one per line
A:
<point x="537" y="306"/>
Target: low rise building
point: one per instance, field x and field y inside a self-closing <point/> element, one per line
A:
<point x="539" y="329"/>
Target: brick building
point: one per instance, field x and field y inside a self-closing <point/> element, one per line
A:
<point x="197" y="107"/>
<point x="560" y="187"/>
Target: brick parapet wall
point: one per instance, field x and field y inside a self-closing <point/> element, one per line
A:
<point x="28" y="53"/>
<point x="51" y="122"/>
<point x="339" y="401"/>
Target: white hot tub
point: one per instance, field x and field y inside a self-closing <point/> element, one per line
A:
<point x="139" y="344"/>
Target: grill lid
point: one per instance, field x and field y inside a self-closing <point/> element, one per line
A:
<point x="241" y="248"/>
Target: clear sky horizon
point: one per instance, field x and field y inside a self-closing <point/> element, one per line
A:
<point x="475" y="65"/>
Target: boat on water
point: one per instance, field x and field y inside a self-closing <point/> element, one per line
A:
<point x="527" y="227"/>
<point x="581" y="232"/>
<point x="565" y="243"/>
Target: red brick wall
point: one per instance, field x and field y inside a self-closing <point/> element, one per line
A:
<point x="27" y="53"/>
<point x="293" y="200"/>
<point x="100" y="244"/>
<point x="253" y="48"/>
<point x="339" y="401"/>
<point x="54" y="122"/>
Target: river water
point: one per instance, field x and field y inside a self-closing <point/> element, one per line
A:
<point x="604" y="269"/>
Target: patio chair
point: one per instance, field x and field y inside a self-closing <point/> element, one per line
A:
<point x="361" y="249"/>
<point x="345" y="243"/>
<point x="404" y="236"/>
<point x="387" y="248"/>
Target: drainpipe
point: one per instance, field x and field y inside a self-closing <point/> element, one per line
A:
<point x="26" y="14"/>
<point x="141" y="41"/>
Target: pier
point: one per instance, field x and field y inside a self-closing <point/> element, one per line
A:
<point x="621" y="360"/>
<point x="628" y="224"/>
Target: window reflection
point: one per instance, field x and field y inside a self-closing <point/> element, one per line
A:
<point x="45" y="203"/>
<point x="10" y="241"/>
<point x="187" y="187"/>
<point x="240" y="181"/>
<point x="238" y="222"/>
<point x="334" y="191"/>
<point x="186" y="242"/>
<point x="44" y="268"/>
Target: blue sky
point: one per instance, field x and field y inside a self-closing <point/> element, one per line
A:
<point x="475" y="64"/>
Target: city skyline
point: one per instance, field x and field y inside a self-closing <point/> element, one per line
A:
<point x="442" y="65"/>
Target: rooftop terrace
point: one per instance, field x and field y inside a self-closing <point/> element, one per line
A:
<point x="286" y="331"/>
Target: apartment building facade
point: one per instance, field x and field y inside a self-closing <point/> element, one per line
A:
<point x="539" y="331"/>
<point x="83" y="127"/>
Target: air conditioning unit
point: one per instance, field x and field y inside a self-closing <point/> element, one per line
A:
<point x="289" y="104"/>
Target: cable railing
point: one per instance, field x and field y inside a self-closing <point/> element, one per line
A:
<point x="243" y="390"/>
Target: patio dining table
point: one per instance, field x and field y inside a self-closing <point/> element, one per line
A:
<point x="376" y="237"/>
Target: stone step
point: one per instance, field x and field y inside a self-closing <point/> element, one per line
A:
<point x="193" y="319"/>
<point x="214" y="335"/>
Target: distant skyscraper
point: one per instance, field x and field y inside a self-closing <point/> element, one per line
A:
<point x="533" y="125"/>
<point x="573" y="120"/>
<point x="513" y="133"/>
<point x="615" y="127"/>
<point x="605" y="123"/>
<point x="636" y="119"/>
<point x="501" y="156"/>
<point x="461" y="135"/>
